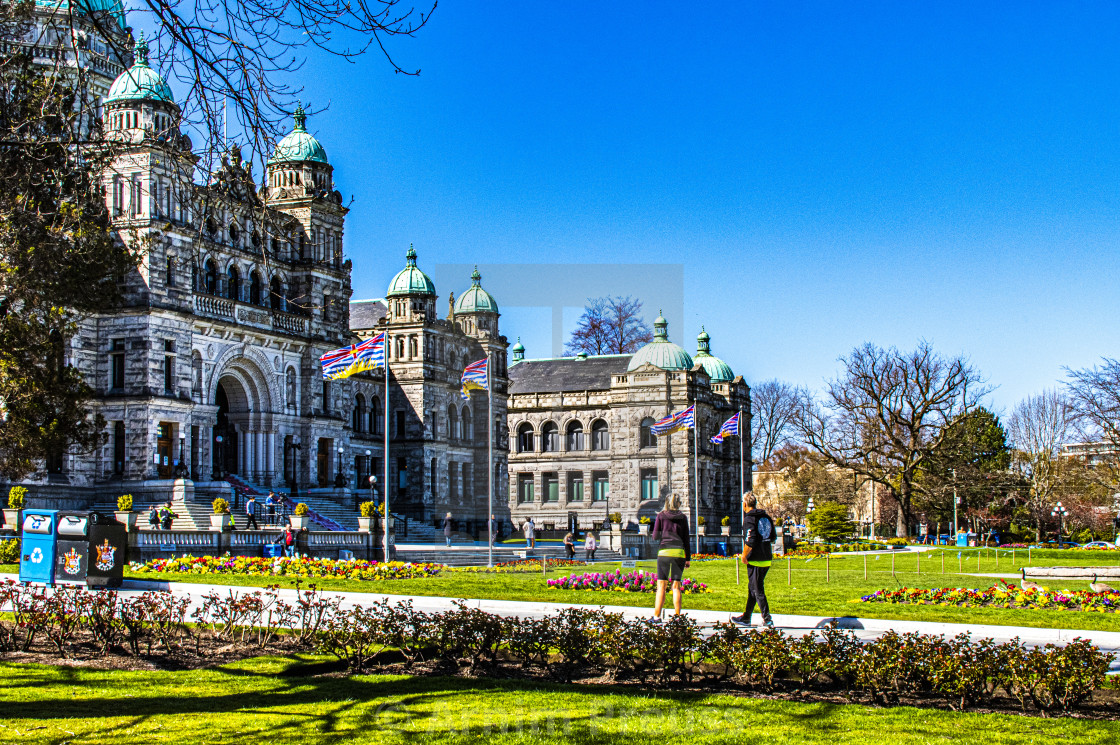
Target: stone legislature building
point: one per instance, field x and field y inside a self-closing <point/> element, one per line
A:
<point x="209" y="374"/>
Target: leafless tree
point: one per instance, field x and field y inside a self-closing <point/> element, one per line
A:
<point x="1038" y="427"/>
<point x="1094" y="397"/>
<point x="887" y="412"/>
<point x="609" y="325"/>
<point x="774" y="407"/>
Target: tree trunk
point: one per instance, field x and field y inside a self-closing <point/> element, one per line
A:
<point x="902" y="529"/>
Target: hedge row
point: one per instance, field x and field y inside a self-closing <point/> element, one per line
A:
<point x="572" y="643"/>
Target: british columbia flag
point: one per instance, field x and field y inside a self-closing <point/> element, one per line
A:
<point x="730" y="428"/>
<point x="344" y="362"/>
<point x="675" y="422"/>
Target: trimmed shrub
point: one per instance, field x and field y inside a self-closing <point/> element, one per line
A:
<point x="220" y="506"/>
<point x="17" y="495"/>
<point x="124" y="502"/>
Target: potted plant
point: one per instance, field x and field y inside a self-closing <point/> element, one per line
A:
<point x="703" y="523"/>
<point x="366" y="518"/>
<point x="219" y="521"/>
<point x="16" y="497"/>
<point x="299" y="519"/>
<point x="643" y="525"/>
<point x="124" y="512"/>
<point x="725" y="525"/>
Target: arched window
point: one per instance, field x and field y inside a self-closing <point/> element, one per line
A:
<point x="210" y="278"/>
<point x="646" y="438"/>
<point x="255" y="288"/>
<point x="550" y="437"/>
<point x="452" y="423"/>
<point x="233" y="283"/>
<point x="575" y="436"/>
<point x="600" y="437"/>
<point x="467" y="429"/>
<point x="359" y="417"/>
<point x="375" y="416"/>
<point x="525" y="438"/>
<point x="276" y="294"/>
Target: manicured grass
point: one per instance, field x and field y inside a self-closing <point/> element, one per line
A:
<point x="274" y="700"/>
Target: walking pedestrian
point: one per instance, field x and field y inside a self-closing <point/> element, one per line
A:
<point x="251" y="513"/>
<point x="570" y="546"/>
<point x="589" y="547"/>
<point x="289" y="541"/>
<point x="270" y="505"/>
<point x="166" y="516"/>
<point x="671" y="531"/>
<point x="527" y="529"/>
<point x="153" y="517"/>
<point x="447" y="528"/>
<point x="758" y="531"/>
<point x="493" y="530"/>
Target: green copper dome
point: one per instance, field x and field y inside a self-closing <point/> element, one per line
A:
<point x="476" y="299"/>
<point x="410" y="280"/>
<point x="661" y="352"/>
<point x="718" y="370"/>
<point x="113" y="7"/>
<point x="518" y="350"/>
<point x="140" y="82"/>
<point x="298" y="145"/>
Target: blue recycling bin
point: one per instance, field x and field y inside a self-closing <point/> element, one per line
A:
<point x="272" y="550"/>
<point x="721" y="548"/>
<point x="39" y="540"/>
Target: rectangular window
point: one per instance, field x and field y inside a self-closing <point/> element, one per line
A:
<point x="326" y="397"/>
<point x="118" y="196"/>
<point x="551" y="490"/>
<point x="524" y="487"/>
<point x="118" y="448"/>
<point x="649" y="484"/>
<point x="575" y="486"/>
<point x="169" y="374"/>
<point x="400" y="425"/>
<point x="468" y="482"/>
<point x="402" y="473"/>
<point x="134" y="197"/>
<point x="169" y="272"/>
<point x="116" y="376"/>
<point x="600" y="486"/>
<point x="452" y="486"/>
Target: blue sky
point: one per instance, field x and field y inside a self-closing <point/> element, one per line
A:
<point x="828" y="174"/>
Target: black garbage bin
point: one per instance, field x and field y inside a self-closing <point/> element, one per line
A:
<point x="108" y="551"/>
<point x="72" y="553"/>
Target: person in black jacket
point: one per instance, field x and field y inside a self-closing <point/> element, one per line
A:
<point x="758" y="529"/>
<point x="671" y="530"/>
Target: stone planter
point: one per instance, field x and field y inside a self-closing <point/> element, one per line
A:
<point x="219" y="523"/>
<point x="365" y="524"/>
<point x="643" y="529"/>
<point x="299" y="522"/>
<point x="127" y="519"/>
<point x="704" y="530"/>
<point x="725" y="530"/>
<point x="12" y="519"/>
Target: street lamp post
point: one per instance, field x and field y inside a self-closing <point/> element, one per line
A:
<point x="221" y="461"/>
<point x="808" y="509"/>
<point x="339" y="478"/>
<point x="181" y="469"/>
<point x="1060" y="512"/>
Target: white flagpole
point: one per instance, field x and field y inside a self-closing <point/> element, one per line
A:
<point x="490" y="459"/>
<point x="742" y="472"/>
<point x="696" y="469"/>
<point x="388" y="517"/>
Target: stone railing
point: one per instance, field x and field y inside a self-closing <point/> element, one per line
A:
<point x="288" y="322"/>
<point x="211" y="305"/>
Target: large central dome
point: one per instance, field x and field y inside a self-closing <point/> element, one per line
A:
<point x="299" y="144"/>
<point x="140" y="82"/>
<point x="661" y="352"/>
<point x="410" y="280"/>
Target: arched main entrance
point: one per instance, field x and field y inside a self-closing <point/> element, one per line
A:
<point x="225" y="436"/>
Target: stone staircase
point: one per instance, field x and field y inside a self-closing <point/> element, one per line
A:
<point x="325" y="514"/>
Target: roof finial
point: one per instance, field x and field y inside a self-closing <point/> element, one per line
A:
<point x="476" y="278"/>
<point x="660" y="327"/>
<point x="410" y="257"/>
<point x="141" y="51"/>
<point x="299" y="116"/>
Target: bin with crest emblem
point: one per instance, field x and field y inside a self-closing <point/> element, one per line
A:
<point x="37" y="547"/>
<point x="72" y="555"/>
<point x="108" y="551"/>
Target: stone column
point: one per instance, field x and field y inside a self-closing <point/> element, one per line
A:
<point x="270" y="457"/>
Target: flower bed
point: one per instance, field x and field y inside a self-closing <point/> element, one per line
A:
<point x="1002" y="595"/>
<point x="521" y="566"/>
<point x="636" y="581"/>
<point x="811" y="551"/>
<point x="709" y="557"/>
<point x="289" y="567"/>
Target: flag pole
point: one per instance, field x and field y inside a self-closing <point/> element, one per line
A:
<point x="742" y="472"/>
<point x="388" y="515"/>
<point x="696" y="469"/>
<point x="490" y="459"/>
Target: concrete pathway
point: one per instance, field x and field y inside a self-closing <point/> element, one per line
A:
<point x="864" y="628"/>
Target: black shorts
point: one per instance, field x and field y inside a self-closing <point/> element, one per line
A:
<point x="670" y="568"/>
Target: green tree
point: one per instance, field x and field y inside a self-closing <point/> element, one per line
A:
<point x="58" y="260"/>
<point x="831" y="522"/>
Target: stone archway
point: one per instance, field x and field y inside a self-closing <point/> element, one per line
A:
<point x="243" y="397"/>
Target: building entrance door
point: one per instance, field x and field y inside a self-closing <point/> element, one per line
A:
<point x="323" y="462"/>
<point x="164" y="466"/>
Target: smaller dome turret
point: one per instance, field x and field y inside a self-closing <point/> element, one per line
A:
<point x="476" y="299"/>
<point x="661" y="352"/>
<point x="299" y="145"/>
<point x="517" y="351"/>
<point x="410" y="280"/>
<point x="140" y="82"/>
<point x="718" y="370"/>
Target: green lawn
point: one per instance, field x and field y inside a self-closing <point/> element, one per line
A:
<point x="800" y="589"/>
<point x="275" y="700"/>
